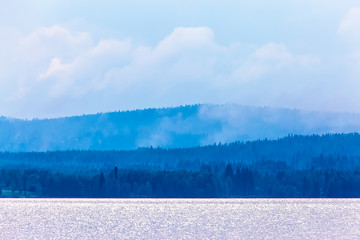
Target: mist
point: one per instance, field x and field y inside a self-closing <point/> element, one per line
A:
<point x="178" y="127"/>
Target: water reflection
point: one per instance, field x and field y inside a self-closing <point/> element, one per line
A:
<point x="180" y="219"/>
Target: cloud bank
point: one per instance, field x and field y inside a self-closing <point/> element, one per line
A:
<point x="55" y="71"/>
<point x="68" y="69"/>
<point x="350" y="26"/>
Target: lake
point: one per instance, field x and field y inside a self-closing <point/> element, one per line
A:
<point x="180" y="219"/>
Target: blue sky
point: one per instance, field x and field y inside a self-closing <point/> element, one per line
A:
<point x="60" y="58"/>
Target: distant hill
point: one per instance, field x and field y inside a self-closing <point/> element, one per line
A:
<point x="184" y="126"/>
<point x="329" y="151"/>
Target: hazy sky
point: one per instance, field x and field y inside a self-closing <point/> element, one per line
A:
<point x="67" y="57"/>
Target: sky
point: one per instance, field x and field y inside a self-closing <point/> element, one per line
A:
<point x="62" y="57"/>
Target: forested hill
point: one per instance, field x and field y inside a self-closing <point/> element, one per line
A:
<point x="330" y="151"/>
<point x="294" y="166"/>
<point x="177" y="127"/>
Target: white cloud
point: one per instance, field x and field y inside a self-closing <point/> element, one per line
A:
<point x="271" y="58"/>
<point x="58" y="71"/>
<point x="349" y="27"/>
<point x="87" y="71"/>
<point x="185" y="39"/>
<point x="54" y="41"/>
<point x="273" y="51"/>
<point x="55" y="66"/>
<point x="349" y="30"/>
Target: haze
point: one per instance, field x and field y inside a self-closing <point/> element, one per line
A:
<point x="69" y="58"/>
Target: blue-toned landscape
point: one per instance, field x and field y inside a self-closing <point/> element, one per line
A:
<point x="183" y="152"/>
<point x="178" y="127"/>
<point x="179" y="119"/>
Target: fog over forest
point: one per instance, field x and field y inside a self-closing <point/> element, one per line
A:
<point x="185" y="126"/>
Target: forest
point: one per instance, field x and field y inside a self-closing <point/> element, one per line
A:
<point x="279" y="182"/>
<point x="177" y="127"/>
<point x="294" y="166"/>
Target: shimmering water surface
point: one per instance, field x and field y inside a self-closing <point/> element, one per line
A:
<point x="180" y="219"/>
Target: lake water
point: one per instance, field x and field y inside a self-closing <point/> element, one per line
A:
<point x="180" y="219"/>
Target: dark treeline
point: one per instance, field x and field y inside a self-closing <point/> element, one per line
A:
<point x="295" y="166"/>
<point x="336" y="151"/>
<point x="230" y="181"/>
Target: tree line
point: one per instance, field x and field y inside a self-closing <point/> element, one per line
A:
<point x="230" y="181"/>
<point x="294" y="166"/>
<point x="330" y="151"/>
